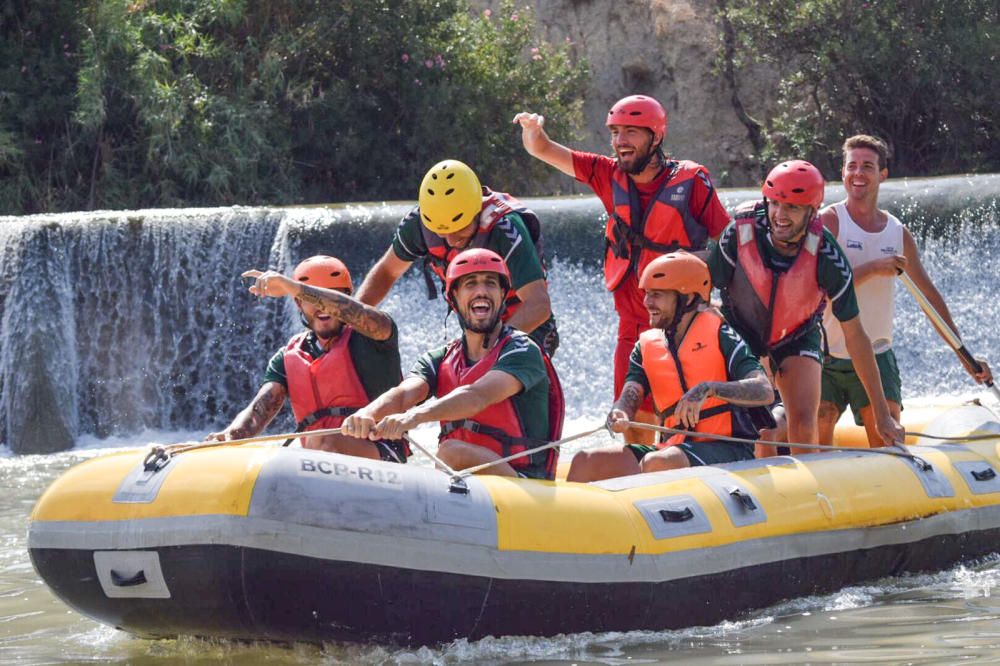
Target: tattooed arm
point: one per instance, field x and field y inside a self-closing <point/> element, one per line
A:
<point x="365" y="319"/>
<point x="255" y="417"/>
<point x="751" y="391"/>
<point x="626" y="406"/>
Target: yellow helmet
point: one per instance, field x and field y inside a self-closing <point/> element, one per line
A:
<point x="450" y="197"/>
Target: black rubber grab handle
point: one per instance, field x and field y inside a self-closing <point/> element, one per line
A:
<point x="984" y="475"/>
<point x="672" y="516"/>
<point x="131" y="581"/>
<point x="745" y="500"/>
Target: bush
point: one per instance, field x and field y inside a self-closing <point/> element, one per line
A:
<point x="918" y="73"/>
<point x="219" y="102"/>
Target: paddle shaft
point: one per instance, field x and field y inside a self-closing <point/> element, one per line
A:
<point x="950" y="336"/>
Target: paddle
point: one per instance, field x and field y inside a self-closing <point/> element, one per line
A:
<point x="946" y="331"/>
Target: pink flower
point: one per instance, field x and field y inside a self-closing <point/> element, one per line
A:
<point x="536" y="57"/>
<point x="439" y="60"/>
<point x="429" y="64"/>
<point x="406" y="57"/>
<point x="487" y="13"/>
<point x="534" y="49"/>
<point x="514" y="16"/>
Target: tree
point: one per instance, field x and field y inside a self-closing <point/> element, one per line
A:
<point x="140" y="103"/>
<point x="918" y="73"/>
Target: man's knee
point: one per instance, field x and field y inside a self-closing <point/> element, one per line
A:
<point x="828" y="411"/>
<point x="671" y="457"/>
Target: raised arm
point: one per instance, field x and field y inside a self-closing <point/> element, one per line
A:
<point x="363" y="318"/>
<point x="381" y="277"/>
<point x="539" y="145"/>
<point x="255" y="416"/>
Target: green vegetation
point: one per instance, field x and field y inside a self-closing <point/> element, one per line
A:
<point x="919" y="73"/>
<point x="145" y="103"/>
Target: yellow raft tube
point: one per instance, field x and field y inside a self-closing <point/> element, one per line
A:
<point x="290" y="544"/>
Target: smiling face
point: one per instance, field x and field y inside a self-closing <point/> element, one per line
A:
<point x="461" y="238"/>
<point x="478" y="299"/>
<point x="788" y="221"/>
<point x="861" y="173"/>
<point x="661" y="304"/>
<point x="633" y="147"/>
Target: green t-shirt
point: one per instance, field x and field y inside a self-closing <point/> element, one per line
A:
<point x="376" y="361"/>
<point x="740" y="361"/>
<point x="519" y="357"/>
<point x="509" y="238"/>
<point x="833" y="271"/>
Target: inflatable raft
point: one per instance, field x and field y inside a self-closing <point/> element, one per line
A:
<point x="289" y="544"/>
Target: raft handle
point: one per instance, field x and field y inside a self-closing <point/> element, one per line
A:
<point x="458" y="486"/>
<point x="156" y="459"/>
<point x="121" y="581"/>
<point x="984" y="475"/>
<point x="676" y="515"/>
<point x="744" y="499"/>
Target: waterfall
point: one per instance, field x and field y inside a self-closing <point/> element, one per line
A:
<point x="111" y="322"/>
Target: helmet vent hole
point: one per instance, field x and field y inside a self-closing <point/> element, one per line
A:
<point x="450" y="175"/>
<point x="798" y="190"/>
<point x="635" y="113"/>
<point x="450" y="190"/>
<point x="457" y="217"/>
<point x="430" y="192"/>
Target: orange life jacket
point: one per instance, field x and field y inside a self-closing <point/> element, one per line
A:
<point x="772" y="308"/>
<point x="499" y="426"/>
<point x="325" y="390"/>
<point x="635" y="238"/>
<point x="672" y="371"/>
<point x="496" y="206"/>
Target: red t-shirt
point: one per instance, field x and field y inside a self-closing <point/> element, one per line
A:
<point x="596" y="171"/>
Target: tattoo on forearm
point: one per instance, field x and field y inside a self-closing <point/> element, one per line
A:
<point x="363" y="318"/>
<point x="253" y="420"/>
<point x="630" y="399"/>
<point x="752" y="390"/>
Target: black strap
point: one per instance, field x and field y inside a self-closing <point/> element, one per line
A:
<point x="316" y="416"/>
<point x="507" y="442"/>
<point x="428" y="273"/>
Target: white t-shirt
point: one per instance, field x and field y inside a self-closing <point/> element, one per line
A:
<point x="876" y="295"/>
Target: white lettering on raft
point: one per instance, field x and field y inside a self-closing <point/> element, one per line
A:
<point x="343" y="470"/>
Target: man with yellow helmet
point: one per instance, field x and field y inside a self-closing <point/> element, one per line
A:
<point x="455" y="213"/>
<point x="320" y="369"/>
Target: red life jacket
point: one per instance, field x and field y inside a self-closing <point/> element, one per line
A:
<point x="496" y="206"/>
<point x="672" y="371"/>
<point x="499" y="427"/>
<point x="325" y="390"/>
<point x="635" y="238"/>
<point x="772" y="308"/>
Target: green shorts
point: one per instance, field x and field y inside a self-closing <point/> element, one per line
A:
<point x="702" y="453"/>
<point x="842" y="386"/>
<point x="810" y="344"/>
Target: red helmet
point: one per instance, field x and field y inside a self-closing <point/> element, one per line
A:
<point x="323" y="271"/>
<point x="478" y="260"/>
<point x="639" y="111"/>
<point x="796" y="182"/>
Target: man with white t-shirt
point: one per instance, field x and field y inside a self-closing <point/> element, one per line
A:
<point x="879" y="248"/>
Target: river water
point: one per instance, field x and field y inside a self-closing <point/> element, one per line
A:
<point x="939" y="617"/>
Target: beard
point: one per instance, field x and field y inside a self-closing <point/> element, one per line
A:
<point x="638" y="165"/>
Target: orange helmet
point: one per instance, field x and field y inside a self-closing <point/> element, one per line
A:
<point x="323" y="271"/>
<point x="678" y="271"/>
<point x="795" y="182"/>
<point x="478" y="260"/>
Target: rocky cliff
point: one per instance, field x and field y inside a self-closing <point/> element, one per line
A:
<point x="667" y="49"/>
